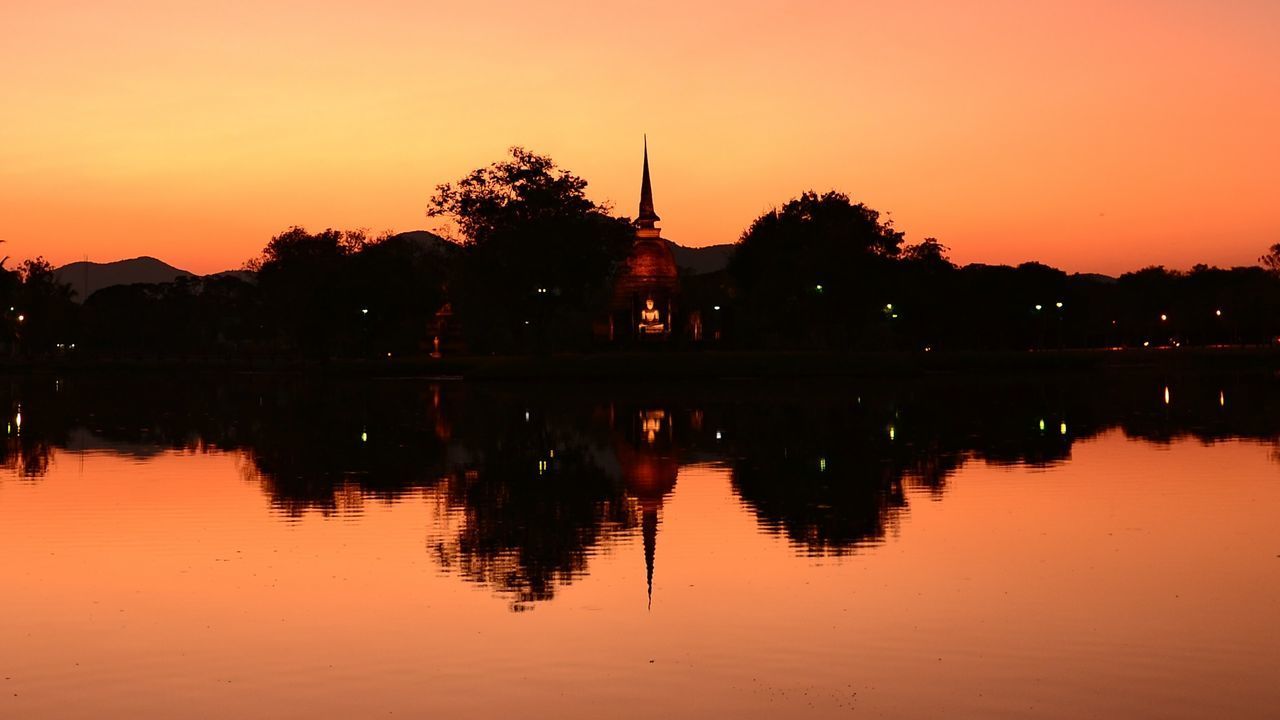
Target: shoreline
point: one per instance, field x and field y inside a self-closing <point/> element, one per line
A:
<point x="678" y="365"/>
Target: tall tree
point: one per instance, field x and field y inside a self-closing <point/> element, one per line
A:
<point x="538" y="254"/>
<point x="815" y="270"/>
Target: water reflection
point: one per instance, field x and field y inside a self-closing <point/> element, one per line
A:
<point x="527" y="497"/>
<point x="531" y="482"/>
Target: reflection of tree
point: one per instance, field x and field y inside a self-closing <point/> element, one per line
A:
<point x="313" y="446"/>
<point x="29" y="436"/>
<point x="533" y="480"/>
<point x="27" y="457"/>
<point x="530" y="508"/>
<point x="819" y="472"/>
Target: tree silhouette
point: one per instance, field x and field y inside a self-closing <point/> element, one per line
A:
<point x="538" y="254"/>
<point x="1271" y="260"/>
<point x="814" y="270"/>
<point x="342" y="292"/>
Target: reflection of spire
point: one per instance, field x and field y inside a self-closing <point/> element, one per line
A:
<point x="649" y="527"/>
<point x="649" y="467"/>
<point x="647" y="214"/>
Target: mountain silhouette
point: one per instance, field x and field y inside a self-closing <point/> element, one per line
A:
<point x="427" y="239"/>
<point x="87" y="278"/>
<point x="701" y="260"/>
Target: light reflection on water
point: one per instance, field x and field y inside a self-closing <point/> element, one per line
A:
<point x="266" y="548"/>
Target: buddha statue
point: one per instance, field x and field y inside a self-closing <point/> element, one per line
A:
<point x="651" y="319"/>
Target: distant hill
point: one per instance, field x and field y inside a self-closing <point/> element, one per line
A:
<point x="86" y="278"/>
<point x="1096" y="278"/>
<point x="248" y="276"/>
<point x="426" y="238"/>
<point x="702" y="260"/>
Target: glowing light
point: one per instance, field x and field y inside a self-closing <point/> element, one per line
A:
<point x="893" y="433"/>
<point x="364" y="436"/>
<point x="1062" y="428"/>
<point x="1058" y="304"/>
<point x="651" y="423"/>
<point x="22" y="318"/>
<point x="1218" y="313"/>
<point x="1038" y="307"/>
<point x="542" y="466"/>
<point x="888" y="306"/>
<point x="716" y="307"/>
<point x="822" y="464"/>
<point x="1146" y="343"/>
<point x="1041" y="424"/>
<point x="718" y="435"/>
<point x="1222" y="399"/>
<point x="818" y="288"/>
<point x="1166" y="394"/>
<point x="1164" y="318"/>
<point x="364" y="311"/>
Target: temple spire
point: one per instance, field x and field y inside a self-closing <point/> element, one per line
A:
<point x="647" y="214"/>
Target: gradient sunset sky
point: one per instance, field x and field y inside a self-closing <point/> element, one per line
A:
<point x="1095" y="136"/>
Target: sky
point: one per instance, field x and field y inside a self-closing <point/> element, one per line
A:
<point x="1094" y="136"/>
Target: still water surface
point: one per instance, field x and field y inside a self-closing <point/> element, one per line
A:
<point x="266" y="547"/>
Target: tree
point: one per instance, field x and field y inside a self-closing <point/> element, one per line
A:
<point x="1271" y="260"/>
<point x="929" y="253"/>
<point x="538" y="255"/>
<point x="815" y="270"/>
<point x="342" y="292"/>
<point x="43" y="311"/>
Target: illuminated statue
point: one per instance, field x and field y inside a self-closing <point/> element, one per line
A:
<point x="650" y="319"/>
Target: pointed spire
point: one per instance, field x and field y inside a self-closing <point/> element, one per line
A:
<point x="649" y="525"/>
<point x="647" y="214"/>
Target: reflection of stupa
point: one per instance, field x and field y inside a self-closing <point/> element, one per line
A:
<point x="645" y="292"/>
<point x="649" y="469"/>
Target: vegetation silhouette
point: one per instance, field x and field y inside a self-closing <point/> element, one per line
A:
<point x="536" y="258"/>
<point x="535" y="262"/>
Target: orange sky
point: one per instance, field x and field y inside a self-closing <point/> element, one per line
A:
<point x="1096" y="136"/>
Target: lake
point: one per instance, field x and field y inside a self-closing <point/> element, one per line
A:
<point x="262" y="546"/>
